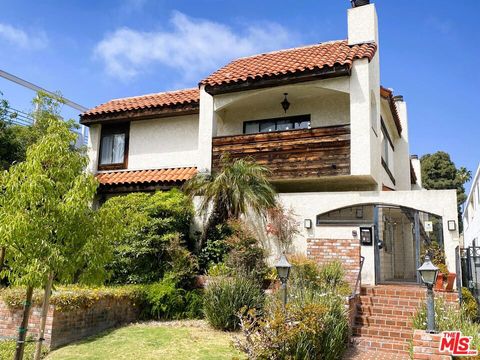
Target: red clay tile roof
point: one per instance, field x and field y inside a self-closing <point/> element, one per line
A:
<point x="290" y="61"/>
<point x="388" y="94"/>
<point x="151" y="101"/>
<point x="146" y="176"/>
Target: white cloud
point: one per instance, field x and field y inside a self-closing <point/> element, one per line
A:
<point x="192" y="47"/>
<point x="21" y="38"/>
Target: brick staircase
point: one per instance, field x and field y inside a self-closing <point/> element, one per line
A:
<point x="383" y="321"/>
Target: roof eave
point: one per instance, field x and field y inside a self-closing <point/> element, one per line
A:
<point x="279" y="80"/>
<point x="140" y="114"/>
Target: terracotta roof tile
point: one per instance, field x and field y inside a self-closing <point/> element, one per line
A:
<point x="388" y="94"/>
<point x="150" y="101"/>
<point x="294" y="60"/>
<point x="146" y="176"/>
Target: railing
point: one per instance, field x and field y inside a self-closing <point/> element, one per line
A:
<point x="303" y="153"/>
<point x="357" y="282"/>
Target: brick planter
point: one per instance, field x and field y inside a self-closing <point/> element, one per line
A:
<point x="65" y="327"/>
<point x="425" y="346"/>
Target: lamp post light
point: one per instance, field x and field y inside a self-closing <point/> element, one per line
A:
<point x="283" y="271"/>
<point x="428" y="273"/>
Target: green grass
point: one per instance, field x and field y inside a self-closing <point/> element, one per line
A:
<point x="153" y="341"/>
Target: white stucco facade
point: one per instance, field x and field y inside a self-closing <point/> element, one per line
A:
<point x="471" y="214"/>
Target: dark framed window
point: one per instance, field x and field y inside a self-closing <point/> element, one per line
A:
<point x="114" y="147"/>
<point x="277" y="124"/>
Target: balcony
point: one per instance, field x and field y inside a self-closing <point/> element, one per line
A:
<point x="291" y="154"/>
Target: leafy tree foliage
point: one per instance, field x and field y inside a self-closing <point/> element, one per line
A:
<point x="439" y="172"/>
<point x="12" y="146"/>
<point x="156" y="224"/>
<point x="48" y="228"/>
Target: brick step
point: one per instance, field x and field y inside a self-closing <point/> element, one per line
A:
<point x="373" y="344"/>
<point x="383" y="333"/>
<point x="395" y="292"/>
<point x="409" y="304"/>
<point x="384" y="322"/>
<point x="405" y="292"/>
<point x="399" y="313"/>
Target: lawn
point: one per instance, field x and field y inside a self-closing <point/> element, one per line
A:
<point x="172" y="340"/>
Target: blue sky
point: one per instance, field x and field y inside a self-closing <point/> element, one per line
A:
<point x="93" y="51"/>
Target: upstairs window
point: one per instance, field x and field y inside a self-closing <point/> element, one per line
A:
<point x="277" y="124"/>
<point x="387" y="152"/>
<point x="113" y="147"/>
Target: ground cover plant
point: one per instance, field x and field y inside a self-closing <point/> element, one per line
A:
<point x="183" y="340"/>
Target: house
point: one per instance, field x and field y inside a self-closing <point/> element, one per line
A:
<point x="337" y="143"/>
<point x="471" y="214"/>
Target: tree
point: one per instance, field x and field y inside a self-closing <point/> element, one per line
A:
<point x="239" y="186"/>
<point x="47" y="223"/>
<point x="439" y="172"/>
<point x="12" y="147"/>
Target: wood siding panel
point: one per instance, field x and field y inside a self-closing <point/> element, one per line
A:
<point x="291" y="154"/>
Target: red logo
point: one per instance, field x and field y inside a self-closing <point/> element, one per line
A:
<point x="453" y="343"/>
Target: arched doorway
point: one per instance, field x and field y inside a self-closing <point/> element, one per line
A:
<point x="393" y="238"/>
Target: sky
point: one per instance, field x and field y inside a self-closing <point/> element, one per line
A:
<point x="93" y="51"/>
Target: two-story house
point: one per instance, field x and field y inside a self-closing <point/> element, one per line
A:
<point x="336" y="141"/>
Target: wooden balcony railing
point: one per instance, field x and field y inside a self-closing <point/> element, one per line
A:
<point x="305" y="153"/>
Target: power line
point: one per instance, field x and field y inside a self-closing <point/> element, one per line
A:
<point x="36" y="88"/>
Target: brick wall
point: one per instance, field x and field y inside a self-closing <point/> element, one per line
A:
<point x="347" y="251"/>
<point x="425" y="346"/>
<point x="65" y="327"/>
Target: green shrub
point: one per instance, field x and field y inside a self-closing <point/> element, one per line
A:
<point x="316" y="328"/>
<point x="7" y="350"/>
<point x="151" y="222"/>
<point x="448" y="317"/>
<point x="307" y="274"/>
<point x="219" y="269"/>
<point x="224" y="297"/>
<point x="215" y="248"/>
<point x="246" y="257"/>
<point x="469" y="304"/>
<point x="67" y="298"/>
<point x="166" y="301"/>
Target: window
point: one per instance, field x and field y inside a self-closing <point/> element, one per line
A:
<point x="277" y="124"/>
<point x="387" y="147"/>
<point x="113" y="147"/>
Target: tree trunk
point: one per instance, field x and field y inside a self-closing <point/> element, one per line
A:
<point x="22" y="331"/>
<point x="43" y="320"/>
<point x="2" y="257"/>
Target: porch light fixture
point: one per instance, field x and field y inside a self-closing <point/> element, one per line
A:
<point x="428" y="273"/>
<point x="283" y="270"/>
<point x="452" y="225"/>
<point x="307" y="223"/>
<point x="285" y="103"/>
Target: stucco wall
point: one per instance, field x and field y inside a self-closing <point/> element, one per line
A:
<point x="328" y="108"/>
<point x="162" y="143"/>
<point x="309" y="205"/>
<point x="471" y="216"/>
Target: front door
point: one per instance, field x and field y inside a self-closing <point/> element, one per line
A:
<point x="397" y="244"/>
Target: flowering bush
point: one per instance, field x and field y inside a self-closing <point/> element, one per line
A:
<point x="311" y="327"/>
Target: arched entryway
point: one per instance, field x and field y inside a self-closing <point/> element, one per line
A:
<point x="393" y="238"/>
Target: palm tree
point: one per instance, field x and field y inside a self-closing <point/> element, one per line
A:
<point x="239" y="186"/>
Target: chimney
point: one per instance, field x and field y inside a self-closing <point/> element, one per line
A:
<point x="362" y="23"/>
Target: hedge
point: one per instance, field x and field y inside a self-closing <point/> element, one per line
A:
<point x="67" y="298"/>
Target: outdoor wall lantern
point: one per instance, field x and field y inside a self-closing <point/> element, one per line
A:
<point x="283" y="271"/>
<point x="452" y="225"/>
<point x="285" y="103"/>
<point x="307" y="223"/>
<point x="428" y="273"/>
